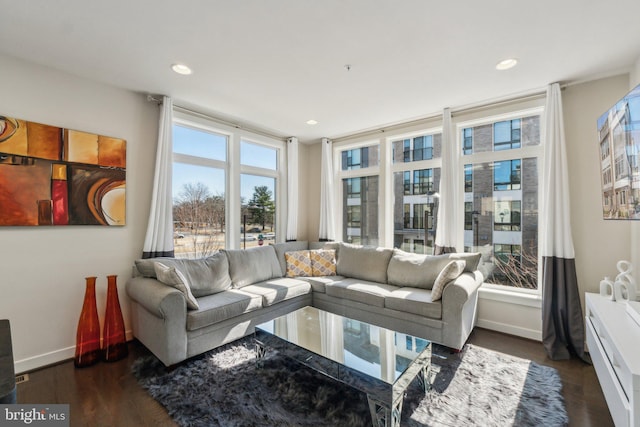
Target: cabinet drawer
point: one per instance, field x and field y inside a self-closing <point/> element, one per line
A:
<point x="611" y="388"/>
<point x="622" y="371"/>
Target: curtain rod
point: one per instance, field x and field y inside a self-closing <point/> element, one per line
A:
<point x="158" y="99"/>
<point x="457" y="111"/>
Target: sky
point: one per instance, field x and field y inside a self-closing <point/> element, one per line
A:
<point x="210" y="146"/>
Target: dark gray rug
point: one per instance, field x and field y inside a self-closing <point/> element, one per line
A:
<point x="474" y="387"/>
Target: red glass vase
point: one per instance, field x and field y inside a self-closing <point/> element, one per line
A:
<point x="114" y="339"/>
<point x="88" y="333"/>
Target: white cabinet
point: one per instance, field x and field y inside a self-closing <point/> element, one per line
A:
<point x="613" y="338"/>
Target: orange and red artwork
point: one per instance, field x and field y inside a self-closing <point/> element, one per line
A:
<point x="56" y="176"/>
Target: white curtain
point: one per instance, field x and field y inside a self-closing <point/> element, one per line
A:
<point x="447" y="219"/>
<point x="292" y="188"/>
<point x="562" y="321"/>
<point x="159" y="238"/>
<point x="327" y="224"/>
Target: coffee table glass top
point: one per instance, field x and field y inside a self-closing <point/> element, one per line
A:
<point x="378" y="352"/>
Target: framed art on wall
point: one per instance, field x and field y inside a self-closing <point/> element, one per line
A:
<point x="619" y="140"/>
<point x="56" y="176"/>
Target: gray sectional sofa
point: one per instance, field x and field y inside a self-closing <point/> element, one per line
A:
<point x="181" y="308"/>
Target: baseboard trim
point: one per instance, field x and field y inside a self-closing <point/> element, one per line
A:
<point x="51" y="358"/>
<point x="518" y="331"/>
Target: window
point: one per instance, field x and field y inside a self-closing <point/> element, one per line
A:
<point x="468" y="178"/>
<point x="416" y="178"/>
<point x="413" y="149"/>
<point x="506" y="253"/>
<point x="506" y="215"/>
<point x="467" y="141"/>
<point x="199" y="203"/>
<point x="500" y="207"/>
<point x="422" y="148"/>
<point x="258" y="188"/>
<point x="506" y="135"/>
<point x="202" y="171"/>
<point x="407" y="183"/>
<point x="506" y="175"/>
<point x="360" y="210"/>
<point x="418" y="215"/>
<point x="604" y="149"/>
<point x="468" y="215"/>
<point x="360" y="158"/>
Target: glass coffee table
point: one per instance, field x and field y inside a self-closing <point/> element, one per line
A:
<point x="377" y="361"/>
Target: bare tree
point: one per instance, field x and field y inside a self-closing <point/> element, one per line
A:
<point x="199" y="213"/>
<point x="520" y="272"/>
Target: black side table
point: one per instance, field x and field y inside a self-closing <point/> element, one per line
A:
<point x="7" y="372"/>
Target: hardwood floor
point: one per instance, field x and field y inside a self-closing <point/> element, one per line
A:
<point x="107" y="394"/>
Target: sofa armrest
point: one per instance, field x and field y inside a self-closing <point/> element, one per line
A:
<point x="158" y="299"/>
<point x="456" y="293"/>
<point x="159" y="318"/>
<point x="459" y="308"/>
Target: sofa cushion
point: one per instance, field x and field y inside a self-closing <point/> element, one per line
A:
<point x="371" y="293"/>
<point x="363" y="262"/>
<point x="249" y="266"/>
<point x="414" y="270"/>
<point x="318" y="284"/>
<point x="323" y="262"/>
<point x="298" y="264"/>
<point x="450" y="272"/>
<point x="205" y="276"/>
<point x="283" y="248"/>
<point x="174" y="278"/>
<point x="275" y="291"/>
<point x="421" y="271"/>
<point x="222" y="306"/>
<point x="415" y="301"/>
<point x="146" y="266"/>
<point x="471" y="260"/>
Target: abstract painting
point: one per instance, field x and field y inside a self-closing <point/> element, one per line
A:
<point x="55" y="176"/>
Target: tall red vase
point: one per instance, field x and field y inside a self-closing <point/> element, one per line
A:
<point x="114" y="339"/>
<point x="88" y="333"/>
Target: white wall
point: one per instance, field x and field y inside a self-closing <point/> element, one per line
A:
<point x="314" y="171"/>
<point x="599" y="244"/>
<point x="43" y="268"/>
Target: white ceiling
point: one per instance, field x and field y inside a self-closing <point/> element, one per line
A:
<point x="274" y="64"/>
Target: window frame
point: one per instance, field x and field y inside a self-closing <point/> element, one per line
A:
<point x="523" y="152"/>
<point x="233" y="169"/>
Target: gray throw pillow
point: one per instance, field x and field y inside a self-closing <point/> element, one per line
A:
<point x="206" y="276"/>
<point x="450" y="272"/>
<point x="363" y="262"/>
<point x="172" y="277"/>
<point x="249" y="266"/>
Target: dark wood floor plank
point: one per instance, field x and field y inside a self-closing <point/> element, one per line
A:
<point x="107" y="394"/>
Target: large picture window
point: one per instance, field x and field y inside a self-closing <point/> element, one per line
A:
<point x="199" y="183"/>
<point x="358" y="168"/>
<point x="416" y="178"/>
<point x="500" y="172"/>
<point x="203" y="173"/>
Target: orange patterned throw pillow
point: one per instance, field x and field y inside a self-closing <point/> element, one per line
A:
<point x="323" y="262"/>
<point x="298" y="264"/>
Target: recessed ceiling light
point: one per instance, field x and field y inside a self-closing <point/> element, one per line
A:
<point x="312" y="122"/>
<point x="181" y="69"/>
<point x="506" y="64"/>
